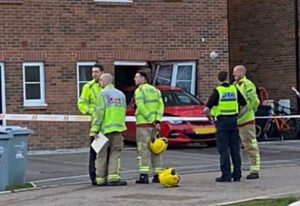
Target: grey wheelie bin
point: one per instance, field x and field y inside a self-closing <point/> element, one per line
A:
<point x="13" y="155"/>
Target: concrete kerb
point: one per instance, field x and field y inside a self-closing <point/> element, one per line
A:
<point x="41" y="187"/>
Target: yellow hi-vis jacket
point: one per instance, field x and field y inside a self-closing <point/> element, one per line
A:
<point x="88" y="100"/>
<point x="113" y="118"/>
<point x="248" y="90"/>
<point x="228" y="101"/>
<point x="149" y="104"/>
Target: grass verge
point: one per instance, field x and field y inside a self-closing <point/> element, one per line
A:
<point x="15" y="187"/>
<point x="268" y="202"/>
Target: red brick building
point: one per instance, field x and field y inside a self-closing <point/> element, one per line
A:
<point x="262" y="37"/>
<point x="47" y="48"/>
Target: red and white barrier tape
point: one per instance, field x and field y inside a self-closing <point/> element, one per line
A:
<point x="79" y="118"/>
<point x="85" y="118"/>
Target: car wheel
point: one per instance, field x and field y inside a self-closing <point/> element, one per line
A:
<point x="210" y="143"/>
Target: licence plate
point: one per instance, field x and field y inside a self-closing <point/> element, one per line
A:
<point x="205" y="130"/>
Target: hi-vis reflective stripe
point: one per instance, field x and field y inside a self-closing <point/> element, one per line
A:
<point x="79" y="118"/>
<point x="85" y="118"/>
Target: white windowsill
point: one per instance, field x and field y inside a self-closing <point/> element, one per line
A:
<point x="35" y="105"/>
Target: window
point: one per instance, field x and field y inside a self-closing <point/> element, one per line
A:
<point x="34" y="84"/>
<point x="179" y="74"/>
<point x="84" y="74"/>
<point x="122" y="1"/>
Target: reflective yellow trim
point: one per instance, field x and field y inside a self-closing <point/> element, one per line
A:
<point x="100" y="180"/>
<point x="157" y="170"/>
<point x="144" y="169"/>
<point x="139" y="161"/>
<point x="113" y="177"/>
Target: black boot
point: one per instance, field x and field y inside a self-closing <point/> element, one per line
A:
<point x="155" y="179"/>
<point x="117" y="183"/>
<point x="252" y="176"/>
<point x="223" y="179"/>
<point x="143" y="179"/>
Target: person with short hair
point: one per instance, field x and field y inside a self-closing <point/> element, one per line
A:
<point x="246" y="122"/>
<point x="148" y="113"/>
<point x="225" y="102"/>
<point x="86" y="105"/>
<point x="112" y="117"/>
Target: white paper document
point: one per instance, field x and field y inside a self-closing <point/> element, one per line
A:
<point x="99" y="143"/>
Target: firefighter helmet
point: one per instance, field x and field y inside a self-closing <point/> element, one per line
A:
<point x="168" y="177"/>
<point x="158" y="145"/>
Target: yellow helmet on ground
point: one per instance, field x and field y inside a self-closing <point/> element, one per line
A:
<point x="168" y="177"/>
<point x="158" y="145"/>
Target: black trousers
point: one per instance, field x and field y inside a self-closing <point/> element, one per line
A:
<point x="228" y="146"/>
<point x="92" y="168"/>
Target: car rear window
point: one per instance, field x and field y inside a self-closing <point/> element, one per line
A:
<point x="170" y="98"/>
<point x="178" y="98"/>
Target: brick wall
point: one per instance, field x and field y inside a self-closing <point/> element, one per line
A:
<point x="261" y="35"/>
<point x="62" y="32"/>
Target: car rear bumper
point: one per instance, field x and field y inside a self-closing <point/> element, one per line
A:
<point x="178" y="137"/>
<point x="188" y="132"/>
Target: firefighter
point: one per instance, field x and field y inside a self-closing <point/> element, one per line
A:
<point x="112" y="125"/>
<point x="86" y="105"/>
<point x="148" y="113"/>
<point x="247" y="121"/>
<point x="225" y="101"/>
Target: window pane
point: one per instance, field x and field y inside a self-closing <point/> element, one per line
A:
<point x="186" y="85"/>
<point x="178" y="98"/>
<point x="32" y="74"/>
<point x="164" y="75"/>
<point x="85" y="73"/>
<point x="161" y="81"/>
<point x="33" y="91"/>
<point x="184" y="72"/>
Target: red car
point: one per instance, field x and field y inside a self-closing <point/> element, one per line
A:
<point x="178" y="103"/>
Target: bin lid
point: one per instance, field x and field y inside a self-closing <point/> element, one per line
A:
<point x="14" y="130"/>
<point x="5" y="136"/>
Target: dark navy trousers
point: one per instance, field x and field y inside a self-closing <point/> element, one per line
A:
<point x="92" y="168"/>
<point x="228" y="144"/>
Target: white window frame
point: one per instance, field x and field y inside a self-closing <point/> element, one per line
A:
<point x="193" y="79"/>
<point x="35" y="102"/>
<point x="175" y="70"/>
<point x="130" y="63"/>
<point x="82" y="63"/>
<point x="116" y="1"/>
<point x="3" y="91"/>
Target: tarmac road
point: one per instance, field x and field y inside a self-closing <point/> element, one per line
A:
<point x="70" y="166"/>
